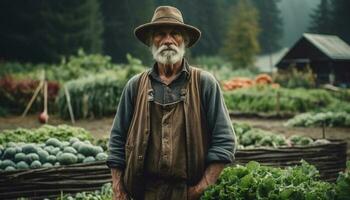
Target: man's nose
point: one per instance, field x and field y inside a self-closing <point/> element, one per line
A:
<point x="168" y="40"/>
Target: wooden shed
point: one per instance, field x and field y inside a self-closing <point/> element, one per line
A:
<point x="327" y="55"/>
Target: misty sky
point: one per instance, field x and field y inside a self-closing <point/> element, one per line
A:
<point x="295" y="14"/>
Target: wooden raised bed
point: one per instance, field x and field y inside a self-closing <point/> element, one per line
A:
<point x="329" y="159"/>
<point x="262" y="115"/>
<point x="50" y="182"/>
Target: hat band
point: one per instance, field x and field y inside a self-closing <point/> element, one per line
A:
<point x="167" y="18"/>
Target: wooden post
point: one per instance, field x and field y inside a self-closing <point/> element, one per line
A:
<point x="45" y="101"/>
<point x="69" y="105"/>
<point x="37" y="90"/>
<point x="323" y="130"/>
<point x="278" y="96"/>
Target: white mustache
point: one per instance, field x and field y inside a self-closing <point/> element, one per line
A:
<point x="168" y="54"/>
<point x="163" y="48"/>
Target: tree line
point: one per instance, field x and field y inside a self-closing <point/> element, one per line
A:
<point x="332" y="17"/>
<point x="46" y="30"/>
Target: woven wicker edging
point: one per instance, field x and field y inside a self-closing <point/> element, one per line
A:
<point x="50" y="182"/>
<point x="329" y="159"/>
<point x="272" y="115"/>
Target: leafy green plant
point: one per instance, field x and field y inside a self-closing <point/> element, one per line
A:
<point x="331" y="119"/>
<point x="343" y="184"/>
<point x="93" y="96"/>
<point x="221" y="68"/>
<point x="72" y="67"/>
<point x="294" y="78"/>
<point x="22" y="69"/>
<point x="257" y="182"/>
<point x="266" y="99"/>
<point x="251" y="138"/>
<point x="61" y="132"/>
<point x="104" y="194"/>
<point x="53" y="152"/>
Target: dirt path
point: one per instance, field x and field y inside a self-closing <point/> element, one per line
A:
<point x="100" y="128"/>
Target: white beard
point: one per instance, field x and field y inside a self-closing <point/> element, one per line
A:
<point x="170" y="56"/>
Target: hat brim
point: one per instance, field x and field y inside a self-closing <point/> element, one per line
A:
<point x="142" y="32"/>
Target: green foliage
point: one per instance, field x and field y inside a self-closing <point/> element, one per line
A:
<point x="251" y="138"/>
<point x="67" y="159"/>
<point x="97" y="95"/>
<point x="53" y="152"/>
<point x="257" y="182"/>
<point x="221" y="68"/>
<point x="211" y="62"/>
<point x="93" y="96"/>
<point x="81" y="65"/>
<point x="331" y="119"/>
<point x="71" y="67"/>
<point x="343" y="184"/>
<point x="118" y="28"/>
<point x="294" y="78"/>
<point x="3" y="111"/>
<point x="328" y="18"/>
<point x="340" y="12"/>
<point x="46" y="31"/>
<point x="42" y="134"/>
<point x="241" y="42"/>
<point x="270" y="22"/>
<point x="322" y="18"/>
<point x="11" y="68"/>
<point x="264" y="100"/>
<point x="133" y="67"/>
<point x="105" y="193"/>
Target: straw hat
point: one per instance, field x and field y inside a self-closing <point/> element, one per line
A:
<point x="167" y="15"/>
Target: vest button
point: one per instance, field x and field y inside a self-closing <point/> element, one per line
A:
<point x="140" y="157"/>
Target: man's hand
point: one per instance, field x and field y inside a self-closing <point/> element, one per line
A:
<point x="118" y="189"/>
<point x="195" y="192"/>
<point x="211" y="174"/>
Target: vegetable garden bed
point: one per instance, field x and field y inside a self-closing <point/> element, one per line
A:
<point x="51" y="182"/>
<point x="329" y="158"/>
<point x="271" y="115"/>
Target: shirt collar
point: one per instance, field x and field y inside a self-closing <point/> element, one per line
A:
<point x="185" y="69"/>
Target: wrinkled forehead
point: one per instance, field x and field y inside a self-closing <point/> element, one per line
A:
<point x="167" y="28"/>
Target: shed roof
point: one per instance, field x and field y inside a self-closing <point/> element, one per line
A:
<point x="331" y="45"/>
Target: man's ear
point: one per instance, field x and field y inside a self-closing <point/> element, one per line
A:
<point x="186" y="37"/>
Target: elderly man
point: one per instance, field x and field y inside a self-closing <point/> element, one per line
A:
<point x="172" y="134"/>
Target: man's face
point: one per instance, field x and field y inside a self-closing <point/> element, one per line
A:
<point x="167" y="45"/>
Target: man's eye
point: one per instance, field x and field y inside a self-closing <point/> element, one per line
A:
<point x="159" y="34"/>
<point x="175" y="33"/>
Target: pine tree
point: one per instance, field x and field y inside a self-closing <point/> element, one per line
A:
<point x="241" y="42"/>
<point x="20" y="31"/>
<point x="321" y="19"/>
<point x="341" y="18"/>
<point x="120" y="20"/>
<point x="44" y="31"/>
<point x="71" y="25"/>
<point x="209" y="16"/>
<point x="270" y="22"/>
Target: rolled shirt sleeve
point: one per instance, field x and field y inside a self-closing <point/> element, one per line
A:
<point x="223" y="139"/>
<point x="121" y="123"/>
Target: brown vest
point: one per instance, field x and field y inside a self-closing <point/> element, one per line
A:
<point x="138" y="135"/>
